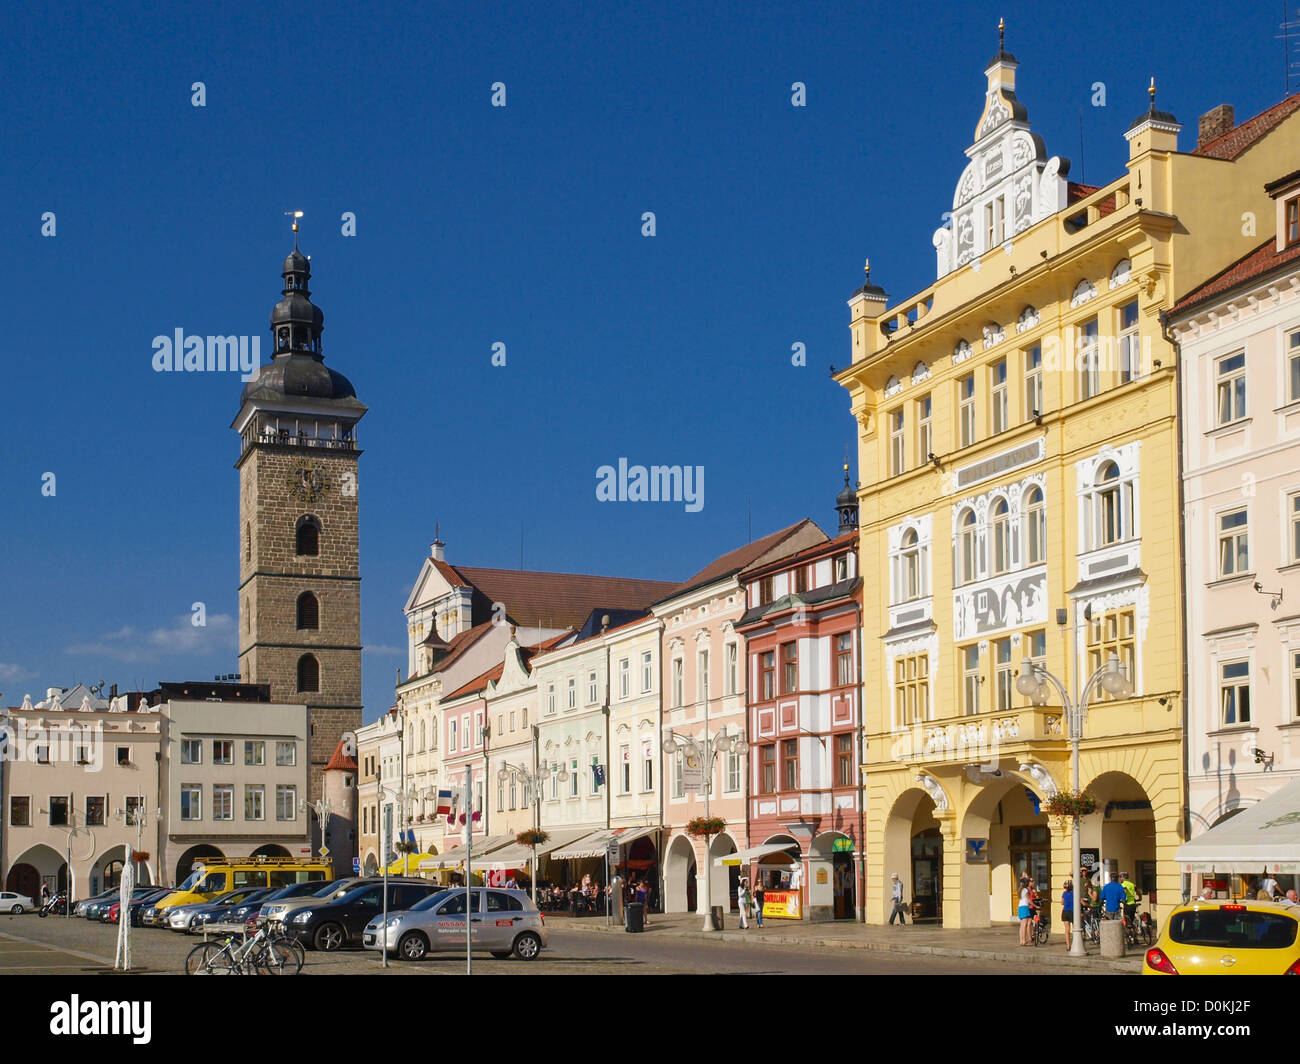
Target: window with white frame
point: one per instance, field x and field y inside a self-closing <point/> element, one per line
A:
<point x="1234" y="543"/>
<point x="967" y="547"/>
<point x="1129" y="351"/>
<point x="624" y="677"/>
<point x="924" y="429"/>
<point x="1234" y="693"/>
<point x="573" y="692"/>
<point x="1230" y="388"/>
<point x="970" y="679"/>
<point x="1035" y="517"/>
<point x="1295" y="685"/>
<point x="451" y="736"/>
<point x="966" y="410"/>
<point x="702" y="676"/>
<point x="647" y="767"/>
<point x="1110" y="518"/>
<point x="595" y="783"/>
<point x="223" y="801"/>
<point x="1293" y="366"/>
<point x="550" y="698"/>
<point x="679" y="681"/>
<point x="286" y="802"/>
<point x="911" y="567"/>
<point x="733" y="772"/>
<point x="1089" y="360"/>
<point x="897" y="443"/>
<point x="591" y="688"/>
<point x="844" y="658"/>
<point x="1033" y="382"/>
<point x="625" y="769"/>
<point x="191" y="751"/>
<point x="254" y="752"/>
<point x="998" y="395"/>
<point x="223" y="751"/>
<point x="254" y="802"/>
<point x="191" y="801"/>
<point x="679" y="784"/>
<point x="1293" y="519"/>
<point x="647" y="672"/>
<point x="1004" y="674"/>
<point x="573" y="778"/>
<point x="1001" y="517"/>
<point x="732" y="656"/>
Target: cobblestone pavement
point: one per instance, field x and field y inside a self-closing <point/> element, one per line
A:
<point x="29" y="945"/>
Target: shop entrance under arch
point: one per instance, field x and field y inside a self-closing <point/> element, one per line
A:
<point x="913" y="849"/>
<point x="1122" y="831"/>
<point x="832" y="878"/>
<point x="1007" y="823"/>
<point x="37" y="867"/>
<point x="679" y="876"/>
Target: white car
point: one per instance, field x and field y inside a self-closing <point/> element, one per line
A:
<point x="15" y="903"/>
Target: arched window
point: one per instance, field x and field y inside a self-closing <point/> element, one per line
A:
<point x="969" y="547"/>
<point x="1001" y="536"/>
<point x="1108" y="506"/>
<point x="307" y="536"/>
<point x="248" y="541"/>
<point x="308" y="612"/>
<point x="248" y="616"/>
<point x="911" y="568"/>
<point x="308" y="673"/>
<point x="1035" y="527"/>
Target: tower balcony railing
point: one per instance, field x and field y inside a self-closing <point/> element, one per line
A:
<point x="285" y="438"/>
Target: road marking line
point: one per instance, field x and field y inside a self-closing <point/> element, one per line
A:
<point x="60" y="949"/>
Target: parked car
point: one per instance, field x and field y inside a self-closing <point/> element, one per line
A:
<point x="250" y="908"/>
<point x="278" y="910"/>
<point x="184" y="918"/>
<point x="108" y="914"/>
<point x="502" y="922"/>
<point x="237" y="911"/>
<point x="15" y="903"/>
<point x="138" y="905"/>
<point x="90" y="908"/>
<point x="1228" y="938"/>
<point x="331" y="924"/>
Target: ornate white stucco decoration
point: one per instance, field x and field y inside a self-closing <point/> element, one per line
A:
<point x="1008" y="170"/>
<point x="962" y="352"/>
<point x="935" y="790"/>
<point x="993" y="334"/>
<point x="920" y="372"/>
<point x="892" y="387"/>
<point x="1083" y="291"/>
<point x="1029" y="317"/>
<point x="1120" y="274"/>
<point x="1043" y="782"/>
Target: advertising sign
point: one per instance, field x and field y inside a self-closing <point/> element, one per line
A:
<point x="692" y="772"/>
<point x="782" y="905"/>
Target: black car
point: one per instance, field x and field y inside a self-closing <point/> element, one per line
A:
<point x="331" y="925"/>
<point x="139" y="904"/>
<point x="237" y="912"/>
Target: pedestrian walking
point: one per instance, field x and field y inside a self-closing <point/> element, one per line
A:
<point x="758" y="901"/>
<point x="896" y="897"/>
<point x="742" y="900"/>
<point x="1023" y="911"/>
<point x="1067" y="912"/>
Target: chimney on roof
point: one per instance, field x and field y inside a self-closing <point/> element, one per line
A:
<point x="1214" y="124"/>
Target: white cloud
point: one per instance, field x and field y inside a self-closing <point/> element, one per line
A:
<point x="14" y="673"/>
<point x="384" y="651"/>
<point x="181" y="637"/>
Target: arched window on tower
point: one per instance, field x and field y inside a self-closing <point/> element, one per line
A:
<point x="308" y="673"/>
<point x="308" y="611"/>
<point x="307" y="536"/>
<point x="248" y="541"/>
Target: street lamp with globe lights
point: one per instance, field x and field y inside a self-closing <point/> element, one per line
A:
<point x="1033" y="682"/>
<point x="532" y="782"/>
<point x="705" y="751"/>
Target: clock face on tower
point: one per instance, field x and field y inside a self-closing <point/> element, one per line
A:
<point x="306" y="482"/>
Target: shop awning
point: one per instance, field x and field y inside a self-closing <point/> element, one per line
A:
<point x="595" y="843"/>
<point x="408" y="864"/>
<point x="754" y="853"/>
<point x="1264" y="837"/>
<point x="455" y="857"/>
<point x="517" y="856"/>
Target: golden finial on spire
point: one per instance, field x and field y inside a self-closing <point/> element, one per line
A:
<point x="295" y="215"/>
<point x="1002" y="30"/>
<point x="1152" y="91"/>
<point x="866" y="268"/>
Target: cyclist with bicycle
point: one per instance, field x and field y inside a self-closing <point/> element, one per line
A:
<point x="1113" y="896"/>
<point x="1131" y="898"/>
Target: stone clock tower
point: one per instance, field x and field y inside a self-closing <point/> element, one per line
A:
<point x="299" y="581"/>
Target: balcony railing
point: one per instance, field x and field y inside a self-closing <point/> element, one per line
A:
<point x="979" y="739"/>
<point x="284" y="438"/>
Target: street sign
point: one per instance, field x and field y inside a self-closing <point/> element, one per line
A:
<point x="324" y="852"/>
<point x="356" y="866"/>
<point x="612" y="851"/>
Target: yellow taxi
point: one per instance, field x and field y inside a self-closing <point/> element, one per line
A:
<point x="1228" y="938"/>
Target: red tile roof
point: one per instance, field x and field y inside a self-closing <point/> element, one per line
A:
<point x="560" y="600"/>
<point x="1264" y="259"/>
<point x="734" y="561"/>
<point x="1232" y="143"/>
<point x="479" y="683"/>
<point x="847" y="539"/>
<point x="341" y="760"/>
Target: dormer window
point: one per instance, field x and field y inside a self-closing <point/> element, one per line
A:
<point x="1291" y="217"/>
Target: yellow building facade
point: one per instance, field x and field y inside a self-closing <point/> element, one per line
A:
<point x="1018" y="451"/>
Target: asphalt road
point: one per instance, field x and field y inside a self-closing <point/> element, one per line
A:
<point x="31" y="946"/>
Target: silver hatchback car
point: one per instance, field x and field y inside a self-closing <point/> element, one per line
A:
<point x="502" y="922"/>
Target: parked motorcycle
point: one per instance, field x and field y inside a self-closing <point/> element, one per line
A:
<point x="57" y="905"/>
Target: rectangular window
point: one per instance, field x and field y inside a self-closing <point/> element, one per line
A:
<point x="191" y="801"/>
<point x="95" y="811"/>
<point x="966" y="409"/>
<point x="789" y="764"/>
<point x="970" y="680"/>
<point x="924" y="430"/>
<point x="1295" y="685"/>
<point x="767" y="768"/>
<point x="998" y="392"/>
<point x="624" y="677"/>
<point x="513" y="718"/>
<point x="1230" y="388"/>
<point x="767" y="673"/>
<point x="595" y="783"/>
<point x="1089" y="368"/>
<point x="133" y="806"/>
<point x="514" y="791"/>
<point x="624" y="770"/>
<point x="790" y="667"/>
<point x="223" y="801"/>
<point x="702" y="676"/>
<point x="59" y="811"/>
<point x="286" y="802"/>
<point x="801" y="579"/>
<point x="844" y="658"/>
<point x="1293" y="367"/>
<point x="647" y="672"/>
<point x="573" y="693"/>
<point x="679" y="785"/>
<point x="765" y="590"/>
<point x="573" y="778"/>
<point x="451" y="737"/>
<point x="254" y="802"/>
<point x="1234" y="692"/>
<point x="255" y="752"/>
<point x="729" y="678"/>
<point x="20" y="811"/>
<point x="286" y="753"/>
<point x="1033" y="382"/>
<point x="1234" y="544"/>
<point x="679" y="682"/>
<point x="897" y="442"/>
<point x="844" y="761"/>
<point x="550" y="698"/>
<point x="1004" y="673"/>
<point x="191" y="751"/>
<point x="734" y="762"/>
<point x="501" y="795"/>
<point x="911" y="689"/>
<point x="1291" y="212"/>
<point x="591" y="688"/>
<point x="648" y="770"/>
<point x="223" y="751"/>
<point x="1293" y="515"/>
<point x="1113" y="632"/>
<point x="1129" y="350"/>
<point x="123" y="755"/>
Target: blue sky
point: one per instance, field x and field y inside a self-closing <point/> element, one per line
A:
<point x="477" y="225"/>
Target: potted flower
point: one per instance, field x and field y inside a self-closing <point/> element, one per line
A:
<point x="476" y="816"/>
<point x="705" y="826"/>
<point x="140" y="855"/>
<point x="533" y="837"/>
<point x="1070" y="805"/>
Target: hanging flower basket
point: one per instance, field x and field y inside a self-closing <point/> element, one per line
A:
<point x="476" y="816"/>
<point x="140" y="855"/>
<point x="460" y="819"/>
<point x="705" y="826"/>
<point x="406" y="847"/>
<point x="1070" y="805"/>
<point x="532" y="837"/>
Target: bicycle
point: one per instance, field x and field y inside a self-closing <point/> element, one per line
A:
<point x="1090" y="924"/>
<point x="1041" y="930"/>
<point x="260" y="953"/>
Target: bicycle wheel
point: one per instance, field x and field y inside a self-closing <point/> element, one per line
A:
<point x="1149" y="934"/>
<point x="211" y="958"/>
<point x="279" y="956"/>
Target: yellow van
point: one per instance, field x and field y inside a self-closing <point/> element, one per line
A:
<point x="216" y="875"/>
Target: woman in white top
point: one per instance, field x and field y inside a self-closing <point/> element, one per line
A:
<point x="742" y="899"/>
<point x="1023" y="912"/>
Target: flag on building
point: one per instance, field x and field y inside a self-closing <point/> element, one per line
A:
<point x="445" y="802"/>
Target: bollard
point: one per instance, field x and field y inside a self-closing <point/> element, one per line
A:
<point x="1112" y="938"/>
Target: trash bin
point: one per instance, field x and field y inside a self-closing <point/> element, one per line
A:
<point x="716" y="912"/>
<point x="635" y="912"/>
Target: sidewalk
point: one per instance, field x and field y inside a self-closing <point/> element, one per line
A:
<point x="995" y="943"/>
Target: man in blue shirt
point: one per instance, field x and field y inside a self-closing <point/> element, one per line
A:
<point x="1112" y="897"/>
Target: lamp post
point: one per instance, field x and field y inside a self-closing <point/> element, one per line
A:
<point x="137" y="816"/>
<point x="322" y="808"/>
<point x="1032" y="682"/>
<point x="705" y="751"/>
<point x="532" y="785"/>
